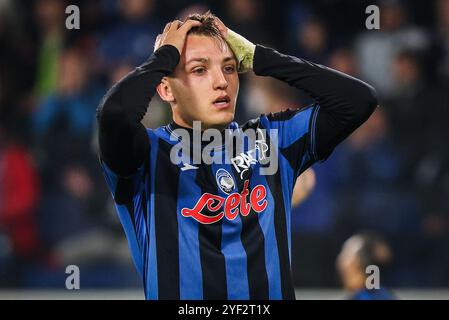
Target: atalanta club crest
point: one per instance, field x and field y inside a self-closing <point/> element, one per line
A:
<point x="224" y="181"/>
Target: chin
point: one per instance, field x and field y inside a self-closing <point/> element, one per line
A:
<point x="226" y="119"/>
<point x="219" y="121"/>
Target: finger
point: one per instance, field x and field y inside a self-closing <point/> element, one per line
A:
<point x="221" y="26"/>
<point x="167" y="27"/>
<point x="218" y="21"/>
<point x="189" y="24"/>
<point x="175" y="25"/>
<point x="158" y="42"/>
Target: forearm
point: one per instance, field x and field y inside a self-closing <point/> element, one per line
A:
<point x="345" y="102"/>
<point x="122" y="138"/>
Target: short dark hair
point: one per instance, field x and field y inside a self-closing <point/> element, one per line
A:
<point x="207" y="27"/>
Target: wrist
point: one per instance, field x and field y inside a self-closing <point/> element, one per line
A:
<point x="243" y="50"/>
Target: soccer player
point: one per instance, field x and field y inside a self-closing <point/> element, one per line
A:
<point x="220" y="230"/>
<point x="357" y="253"/>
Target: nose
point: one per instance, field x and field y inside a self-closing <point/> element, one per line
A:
<point x="220" y="82"/>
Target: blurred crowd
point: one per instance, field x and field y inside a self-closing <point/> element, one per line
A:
<point x="391" y="176"/>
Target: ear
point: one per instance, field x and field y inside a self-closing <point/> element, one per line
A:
<point x="164" y="91"/>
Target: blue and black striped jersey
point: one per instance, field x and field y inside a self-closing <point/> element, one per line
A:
<point x="193" y="238"/>
<point x="220" y="231"/>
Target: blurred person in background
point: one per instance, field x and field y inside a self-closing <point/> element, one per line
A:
<point x="418" y="111"/>
<point x="248" y="16"/>
<point x="312" y="41"/>
<point x="49" y="18"/>
<point x="17" y="65"/>
<point x="442" y="35"/>
<point x="344" y="60"/>
<point x="63" y="122"/>
<point x="19" y="195"/>
<point x="63" y="127"/>
<point x="431" y="252"/>
<point x="376" y="49"/>
<point x="76" y="230"/>
<point x="369" y="190"/>
<point x="359" y="252"/>
<point x="70" y="106"/>
<point x="132" y="35"/>
<point x="265" y="95"/>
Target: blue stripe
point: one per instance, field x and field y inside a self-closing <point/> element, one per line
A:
<point x="232" y="249"/>
<point x="142" y="229"/>
<point x="292" y="129"/>
<point x="140" y="223"/>
<point x="148" y="225"/>
<point x="134" y="240"/>
<point x="111" y="178"/>
<point x="190" y="275"/>
<point x="133" y="243"/>
<point x="151" y="284"/>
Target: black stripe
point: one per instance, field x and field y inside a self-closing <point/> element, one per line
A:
<point x="252" y="238"/>
<point x="130" y="207"/>
<point x="286" y="114"/>
<point x="166" y="223"/>
<point x="124" y="191"/>
<point x="292" y="152"/>
<point x="212" y="259"/>
<point x="280" y="225"/>
<point x="253" y="242"/>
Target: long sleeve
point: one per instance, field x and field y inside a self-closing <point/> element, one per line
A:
<point x="123" y="139"/>
<point x="345" y="102"/>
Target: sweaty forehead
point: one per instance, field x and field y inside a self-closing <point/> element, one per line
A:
<point x="199" y="46"/>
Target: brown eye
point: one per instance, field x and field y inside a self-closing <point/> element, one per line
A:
<point x="229" y="69"/>
<point x="199" y="70"/>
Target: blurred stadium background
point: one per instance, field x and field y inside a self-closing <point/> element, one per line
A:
<point x="391" y="176"/>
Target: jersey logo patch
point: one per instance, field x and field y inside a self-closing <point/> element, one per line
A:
<point x="224" y="181"/>
<point x="188" y="167"/>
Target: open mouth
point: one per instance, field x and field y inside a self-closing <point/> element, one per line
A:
<point x="222" y="102"/>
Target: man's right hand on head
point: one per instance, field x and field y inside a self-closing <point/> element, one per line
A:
<point x="175" y="33"/>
